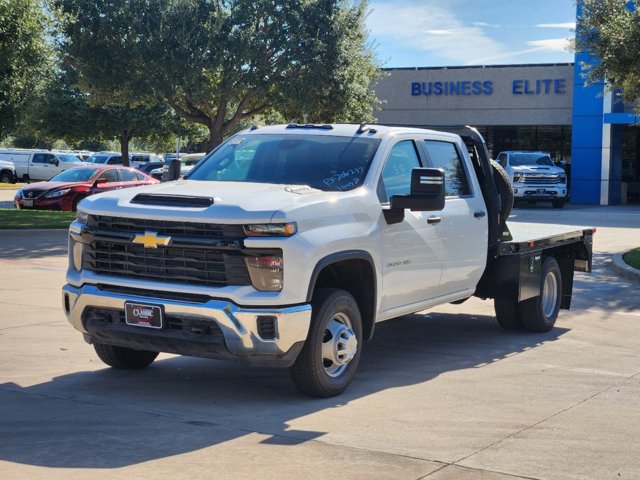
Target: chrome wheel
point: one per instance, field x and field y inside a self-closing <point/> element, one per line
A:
<point x="339" y="345"/>
<point x="549" y="298"/>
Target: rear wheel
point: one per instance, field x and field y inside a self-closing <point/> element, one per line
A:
<point x="331" y="353"/>
<point x="124" y="358"/>
<point x="539" y="314"/>
<point x="507" y="313"/>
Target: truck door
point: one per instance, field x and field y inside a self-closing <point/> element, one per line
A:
<point x="42" y="166"/>
<point x="411" y="268"/>
<point x="464" y="225"/>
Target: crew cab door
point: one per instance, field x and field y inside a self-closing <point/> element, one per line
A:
<point x="42" y="166"/>
<point x="411" y="250"/>
<point x="464" y="225"/>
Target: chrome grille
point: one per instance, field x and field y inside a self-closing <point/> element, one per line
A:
<point x="541" y="179"/>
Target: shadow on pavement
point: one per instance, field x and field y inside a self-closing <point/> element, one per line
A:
<point x="110" y="419"/>
<point x="17" y="244"/>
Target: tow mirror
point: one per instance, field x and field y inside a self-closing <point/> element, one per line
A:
<point x="427" y="192"/>
<point x="171" y="170"/>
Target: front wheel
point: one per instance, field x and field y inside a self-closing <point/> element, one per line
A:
<point x="330" y="356"/>
<point x="124" y="358"/>
<point x="539" y="314"/>
<point x="558" y="203"/>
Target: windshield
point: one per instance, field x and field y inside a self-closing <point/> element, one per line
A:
<point x="523" y="159"/>
<point x="68" y="158"/>
<point x="319" y="161"/>
<point x="75" y="175"/>
<point x="98" y="159"/>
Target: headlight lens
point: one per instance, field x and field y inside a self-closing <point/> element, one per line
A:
<point x="265" y="272"/>
<point x="271" y="230"/>
<point x="517" y="177"/>
<point x="57" y="193"/>
<point x="19" y="193"/>
<point x="82" y="216"/>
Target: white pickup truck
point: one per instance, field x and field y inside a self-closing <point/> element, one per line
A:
<point x="39" y="164"/>
<point x="286" y="244"/>
<point x="535" y="177"/>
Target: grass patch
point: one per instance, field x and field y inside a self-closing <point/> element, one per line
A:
<point x="633" y="258"/>
<point x="35" y="219"/>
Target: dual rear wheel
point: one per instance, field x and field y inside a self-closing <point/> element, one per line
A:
<point x="538" y="314"/>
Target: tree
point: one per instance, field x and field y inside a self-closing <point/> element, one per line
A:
<point x="218" y="63"/>
<point x="68" y="113"/>
<point x="24" y="57"/>
<point x="610" y="30"/>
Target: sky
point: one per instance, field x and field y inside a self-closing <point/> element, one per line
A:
<point x="439" y="33"/>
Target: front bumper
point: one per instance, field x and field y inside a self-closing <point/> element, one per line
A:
<point x="210" y="328"/>
<point x="539" y="192"/>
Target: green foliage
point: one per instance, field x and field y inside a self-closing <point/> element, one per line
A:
<point x="633" y="258"/>
<point x="35" y="219"/>
<point x="220" y="63"/>
<point x="68" y="113"/>
<point x="610" y="30"/>
<point x="24" y="58"/>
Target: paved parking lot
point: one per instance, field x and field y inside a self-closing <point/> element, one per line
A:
<point x="440" y="395"/>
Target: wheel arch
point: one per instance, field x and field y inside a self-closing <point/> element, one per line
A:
<point x="353" y="271"/>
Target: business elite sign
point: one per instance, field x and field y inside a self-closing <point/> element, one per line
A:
<point x="547" y="86"/>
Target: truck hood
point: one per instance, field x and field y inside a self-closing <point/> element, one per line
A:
<point x="537" y="169"/>
<point x="233" y="202"/>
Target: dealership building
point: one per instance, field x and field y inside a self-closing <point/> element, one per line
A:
<point x="543" y="107"/>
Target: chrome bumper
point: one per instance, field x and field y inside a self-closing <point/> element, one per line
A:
<point x="239" y="325"/>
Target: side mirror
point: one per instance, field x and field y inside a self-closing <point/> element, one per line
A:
<point x="171" y="170"/>
<point x="427" y="191"/>
<point x="100" y="181"/>
<point x="56" y="162"/>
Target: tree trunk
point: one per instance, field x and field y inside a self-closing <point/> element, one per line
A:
<point x="215" y="139"/>
<point x="125" y="136"/>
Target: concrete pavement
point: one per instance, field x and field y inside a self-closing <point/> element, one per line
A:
<point x="441" y="395"/>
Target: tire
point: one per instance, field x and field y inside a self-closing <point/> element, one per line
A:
<point x="558" y="203"/>
<point x="319" y="371"/>
<point x="507" y="313"/>
<point x="505" y="190"/>
<point x="539" y="314"/>
<point x="7" y="177"/>
<point x="124" y="358"/>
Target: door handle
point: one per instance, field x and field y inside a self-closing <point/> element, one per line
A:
<point x="434" y="220"/>
<point x="479" y="214"/>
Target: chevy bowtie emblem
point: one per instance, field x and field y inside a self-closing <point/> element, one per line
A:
<point x="151" y="240"/>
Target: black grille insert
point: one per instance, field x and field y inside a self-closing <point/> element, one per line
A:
<point x="197" y="326"/>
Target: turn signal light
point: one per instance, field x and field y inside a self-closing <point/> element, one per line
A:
<point x="266" y="272"/>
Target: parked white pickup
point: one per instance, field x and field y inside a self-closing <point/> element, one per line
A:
<point x="39" y="164"/>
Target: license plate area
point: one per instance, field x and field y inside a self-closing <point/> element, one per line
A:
<point x="27" y="203"/>
<point x="143" y="315"/>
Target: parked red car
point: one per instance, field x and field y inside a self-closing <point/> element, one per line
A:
<point x="65" y="190"/>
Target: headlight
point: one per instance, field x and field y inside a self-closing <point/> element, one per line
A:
<point x="82" y="216"/>
<point x="57" y="193"/>
<point x="265" y="272"/>
<point x="19" y="193"/>
<point x="271" y="230"/>
<point x="517" y="177"/>
<point x="563" y="178"/>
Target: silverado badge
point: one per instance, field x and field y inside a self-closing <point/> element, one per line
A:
<point x="151" y="239"/>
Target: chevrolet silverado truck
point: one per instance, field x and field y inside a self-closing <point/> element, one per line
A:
<point x="535" y="177"/>
<point x="286" y="244"/>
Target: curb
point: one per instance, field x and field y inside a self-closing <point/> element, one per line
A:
<point x="619" y="266"/>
